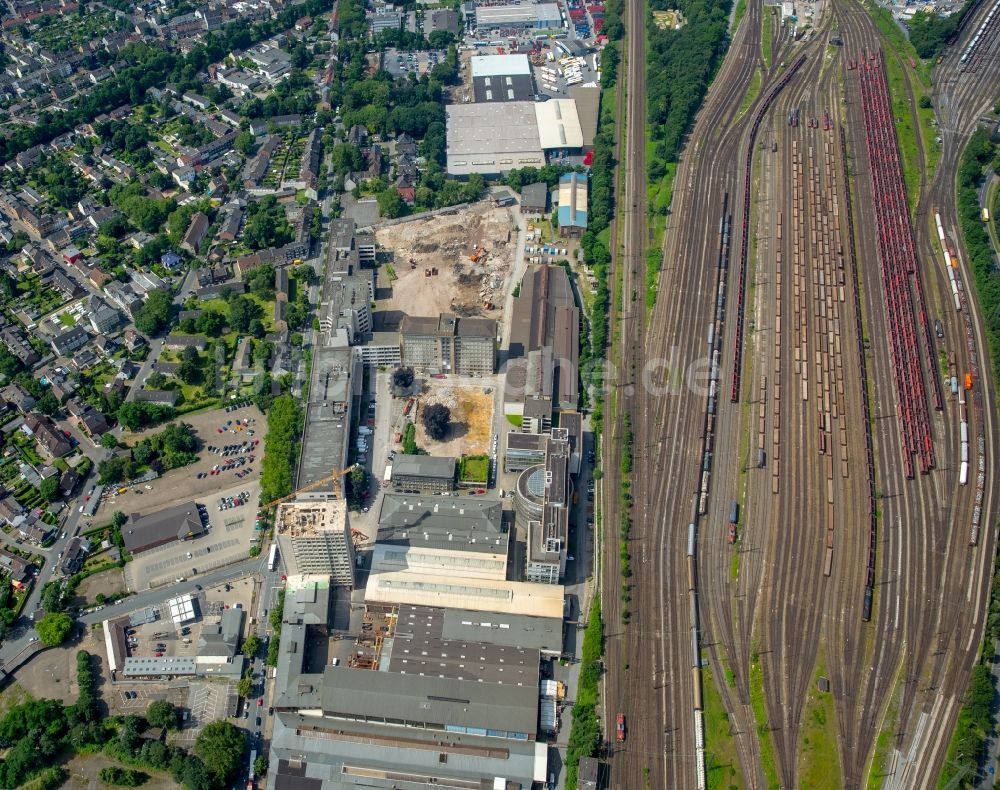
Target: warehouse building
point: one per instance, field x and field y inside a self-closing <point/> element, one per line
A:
<point x="502" y="78"/>
<point x="495" y="137"/>
<point x="543" y="355"/>
<point x="492" y="138"/>
<point x="572" y="204"/>
<point x="538" y="16"/>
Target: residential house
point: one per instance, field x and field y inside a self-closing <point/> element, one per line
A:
<point x="17" y="395"/>
<point x="16" y="342"/>
<point x="34" y="530"/>
<point x="68" y="482"/>
<point x="103" y="317"/>
<point x="74" y="556"/>
<point x="231" y="224"/>
<point x="170" y="260"/>
<point x="123" y="296"/>
<point x="195" y="233"/>
<point x="17" y="568"/>
<point x="46" y="434"/>
<point x="71" y="340"/>
<point x="64" y="284"/>
<point x="133" y="340"/>
<point x="10" y="510"/>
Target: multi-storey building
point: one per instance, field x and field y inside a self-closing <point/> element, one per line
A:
<point x="314" y="538"/>
<point x="449" y="344"/>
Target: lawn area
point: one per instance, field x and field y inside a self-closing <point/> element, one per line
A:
<point x="473" y="468"/>
<point x="66" y="319"/>
<point x="722" y="767"/>
<point x="751" y="93"/>
<point x="819" y="759"/>
<point x="766" y="28"/>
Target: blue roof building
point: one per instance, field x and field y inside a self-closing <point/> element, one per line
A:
<point x="170" y="259"/>
<point x="572" y="204"/>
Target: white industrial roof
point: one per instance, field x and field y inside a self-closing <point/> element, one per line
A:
<point x="493" y="127"/>
<point x="503" y="597"/>
<point x="558" y="124"/>
<point x="181" y="609"/>
<point x="500" y="65"/>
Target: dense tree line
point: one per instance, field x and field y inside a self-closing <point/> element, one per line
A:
<point x="929" y="32"/>
<point x="284" y="428"/>
<point x="680" y="64"/>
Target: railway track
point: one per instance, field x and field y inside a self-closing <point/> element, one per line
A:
<point x="816" y="584"/>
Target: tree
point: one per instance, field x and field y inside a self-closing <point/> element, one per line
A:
<point x="251" y="646"/>
<point x="260" y="765"/>
<point x="118" y="519"/>
<point x="357" y="487"/>
<point x="161" y="713"/>
<point x="189" y="371"/>
<point x="54" y="628"/>
<point x="52" y="597"/>
<point x="245" y="143"/>
<point x="390" y="204"/>
<point x="122" y="777"/>
<point x="109" y="441"/>
<point x="154" y="315"/>
<point x="244" y="687"/>
<point x="211" y="323"/>
<point x="47" y="404"/>
<point x="402" y="379"/>
<point x="220" y="746"/>
<point x="49" y="489"/>
<point x="437" y="420"/>
<point x="242" y="312"/>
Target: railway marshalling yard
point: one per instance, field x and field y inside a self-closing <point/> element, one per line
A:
<point x="830" y="645"/>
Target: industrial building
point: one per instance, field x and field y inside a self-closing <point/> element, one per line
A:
<point x="449" y="344"/>
<point x="495" y="137"/>
<point x="538" y="16"/>
<point x="314" y="538"/>
<point x="396" y="695"/>
<point x="572" y="204"/>
<point x="543" y="356"/>
<point x="502" y="78"/>
<point x="492" y="138"/>
<point x="180" y="522"/>
<point x="423" y="474"/>
<point x="217" y="650"/>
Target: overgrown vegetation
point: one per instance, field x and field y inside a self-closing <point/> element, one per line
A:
<point x="284" y="428"/>
<point x="625" y="516"/>
<point x="171" y="448"/>
<point x="585" y="733"/>
<point x="275" y="618"/>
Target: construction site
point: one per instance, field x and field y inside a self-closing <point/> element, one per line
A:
<point x="454" y="263"/>
<point x="471" y="417"/>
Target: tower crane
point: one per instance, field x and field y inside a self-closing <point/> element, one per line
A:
<point x="334" y="475"/>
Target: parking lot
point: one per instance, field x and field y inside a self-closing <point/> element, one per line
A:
<point x="231" y="533"/>
<point x="197" y="481"/>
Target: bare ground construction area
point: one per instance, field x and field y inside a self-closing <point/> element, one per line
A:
<point x="447" y="243"/>
<point x="471" y="418"/>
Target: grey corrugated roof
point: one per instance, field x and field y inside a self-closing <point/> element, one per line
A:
<point x="423" y="466"/>
<point x="301" y="761"/>
<point x="456" y="523"/>
<point x="434" y="700"/>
